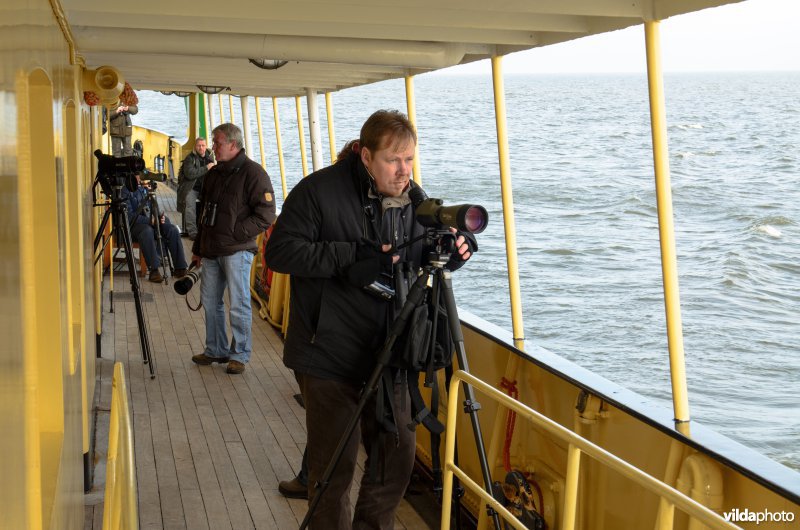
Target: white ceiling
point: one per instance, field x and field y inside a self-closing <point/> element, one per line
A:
<point x="329" y="45"/>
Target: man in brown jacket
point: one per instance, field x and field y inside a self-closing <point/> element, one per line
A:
<point x="238" y="203"/>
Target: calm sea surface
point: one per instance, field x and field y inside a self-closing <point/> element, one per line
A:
<point x="587" y="231"/>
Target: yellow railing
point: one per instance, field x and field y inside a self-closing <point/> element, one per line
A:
<point x="577" y="446"/>
<point x="120" y="506"/>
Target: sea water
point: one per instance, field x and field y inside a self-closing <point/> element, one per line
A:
<point x="587" y="227"/>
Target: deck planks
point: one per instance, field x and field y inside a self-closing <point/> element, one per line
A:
<point x="210" y="447"/>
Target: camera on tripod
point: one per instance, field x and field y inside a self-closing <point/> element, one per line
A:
<point x="117" y="171"/>
<point x="152" y="177"/>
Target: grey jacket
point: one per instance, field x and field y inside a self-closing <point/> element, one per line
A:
<point x="193" y="169"/>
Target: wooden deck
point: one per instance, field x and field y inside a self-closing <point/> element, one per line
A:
<point x="210" y="447"/>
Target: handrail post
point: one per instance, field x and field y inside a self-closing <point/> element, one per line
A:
<point x="666" y="229"/>
<point x="571" y="488"/>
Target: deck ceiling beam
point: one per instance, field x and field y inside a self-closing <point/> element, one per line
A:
<point x="321" y="49"/>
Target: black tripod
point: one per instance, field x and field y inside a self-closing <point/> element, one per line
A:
<point x="441" y="285"/>
<point x="150" y="204"/>
<point x="118" y="212"/>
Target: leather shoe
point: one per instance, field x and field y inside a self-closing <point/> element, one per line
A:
<point x="155" y="276"/>
<point x="293" y="489"/>
<point x="179" y="273"/>
<point x="203" y="359"/>
<point x="235" y="367"/>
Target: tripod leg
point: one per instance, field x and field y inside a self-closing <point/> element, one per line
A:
<point x="471" y="406"/>
<point x="416" y="296"/>
<point x="144" y="337"/>
<point x="165" y="257"/>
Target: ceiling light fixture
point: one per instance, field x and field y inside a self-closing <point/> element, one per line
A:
<point x="268" y="64"/>
<point x="210" y="89"/>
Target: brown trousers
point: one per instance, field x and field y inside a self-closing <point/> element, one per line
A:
<point x="329" y="407"/>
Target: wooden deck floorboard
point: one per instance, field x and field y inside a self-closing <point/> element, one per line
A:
<point x="210" y="447"/>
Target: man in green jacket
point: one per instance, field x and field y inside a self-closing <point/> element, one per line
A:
<point x="190" y="182"/>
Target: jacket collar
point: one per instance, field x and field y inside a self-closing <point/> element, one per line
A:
<point x="229" y="167"/>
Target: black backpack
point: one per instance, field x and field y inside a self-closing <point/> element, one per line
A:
<point x="414" y="352"/>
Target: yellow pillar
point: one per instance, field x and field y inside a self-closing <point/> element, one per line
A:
<point x="280" y="146"/>
<point x="666" y="230"/>
<point x="230" y="107"/>
<point x="301" y="132"/>
<point x="412" y="115"/>
<point x="331" y="133"/>
<point x="260" y="135"/>
<point x="509" y="225"/>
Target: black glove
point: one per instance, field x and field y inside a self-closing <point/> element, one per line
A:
<point x="369" y="264"/>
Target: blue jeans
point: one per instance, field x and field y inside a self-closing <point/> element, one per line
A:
<point x="234" y="272"/>
<point x="145" y="235"/>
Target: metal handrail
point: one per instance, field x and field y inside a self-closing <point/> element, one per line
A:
<point x="120" y="509"/>
<point x="577" y="445"/>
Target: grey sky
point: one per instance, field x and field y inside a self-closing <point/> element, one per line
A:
<point x="751" y="35"/>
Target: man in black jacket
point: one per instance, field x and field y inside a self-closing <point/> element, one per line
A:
<point x="238" y="203"/>
<point x="337" y="234"/>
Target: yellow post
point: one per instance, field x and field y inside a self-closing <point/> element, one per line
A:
<point x="280" y="146"/>
<point x="669" y="264"/>
<point x="496" y="441"/>
<point x="412" y="115"/>
<point x="508" y="202"/>
<point x="260" y="135"/>
<point x="221" y="114"/>
<point x="331" y="133"/>
<point x="571" y="488"/>
<point x="302" y="134"/>
<point x="230" y="107"/>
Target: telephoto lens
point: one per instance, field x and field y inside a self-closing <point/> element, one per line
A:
<point x="185" y="284"/>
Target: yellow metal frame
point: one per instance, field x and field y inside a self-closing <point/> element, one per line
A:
<point x="120" y="507"/>
<point x="577" y="446"/>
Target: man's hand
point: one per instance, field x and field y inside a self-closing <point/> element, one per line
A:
<point x="370" y="262"/>
<point x="196" y="261"/>
<point x="462" y="247"/>
<point x="210" y="165"/>
<point x="163" y="218"/>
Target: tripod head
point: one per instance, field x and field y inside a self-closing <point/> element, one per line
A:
<point x="442" y="243"/>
